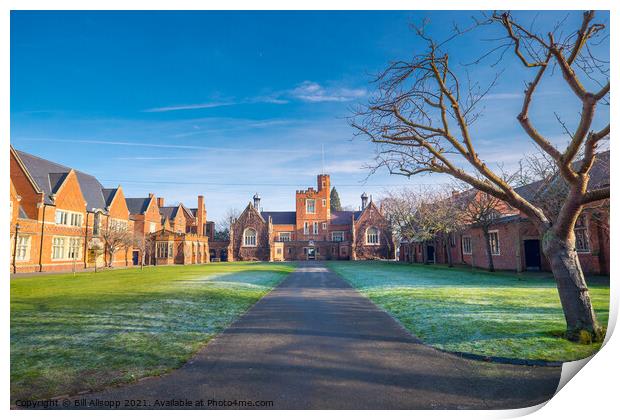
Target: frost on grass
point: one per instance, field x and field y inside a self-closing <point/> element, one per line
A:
<point x="463" y="310"/>
<point x="91" y="331"/>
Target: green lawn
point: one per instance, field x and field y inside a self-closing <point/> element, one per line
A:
<point x="84" y="332"/>
<point x="465" y="310"/>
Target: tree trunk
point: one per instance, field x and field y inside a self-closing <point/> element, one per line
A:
<point x="448" y="254"/>
<point x="581" y="323"/>
<point x="424" y="252"/>
<point x="488" y="248"/>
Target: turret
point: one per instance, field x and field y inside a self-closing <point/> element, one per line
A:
<point x="364" y="197"/>
<point x="257" y="201"/>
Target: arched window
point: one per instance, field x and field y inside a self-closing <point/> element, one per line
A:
<point x="249" y="237"/>
<point x="372" y="236"/>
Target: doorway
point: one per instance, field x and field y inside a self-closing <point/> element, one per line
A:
<point x="135" y="257"/>
<point x="430" y="253"/>
<point x="532" y="254"/>
<point x="311" y="253"/>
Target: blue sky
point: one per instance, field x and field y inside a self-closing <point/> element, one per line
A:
<point x="229" y="103"/>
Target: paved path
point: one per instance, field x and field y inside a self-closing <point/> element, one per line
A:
<point x="314" y="342"/>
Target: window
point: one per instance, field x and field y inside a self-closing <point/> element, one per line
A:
<point x="494" y="242"/>
<point x="306" y="231"/>
<point x="285" y="236"/>
<point x="372" y="236"/>
<point x="324" y="226"/>
<point x="61" y="217"/>
<point x="249" y="237"/>
<point x="75" y="219"/>
<point x="58" y="248"/>
<point x="466" y="241"/>
<point x="290" y="251"/>
<point x="315" y="227"/>
<point x="117" y="224"/>
<point x="279" y="251"/>
<point x="67" y="218"/>
<point x="152" y="227"/>
<point x="324" y="202"/>
<point x="338" y="236"/>
<point x="22" y="251"/>
<point x="582" y="244"/>
<point x="163" y="249"/>
<point x="75" y="245"/>
<point x="96" y="223"/>
<point x="310" y="206"/>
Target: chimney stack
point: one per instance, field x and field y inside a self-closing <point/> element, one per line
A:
<point x="200" y="216"/>
<point x="160" y="201"/>
<point x="364" y="200"/>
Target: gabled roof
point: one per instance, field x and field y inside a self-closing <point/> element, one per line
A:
<point x="138" y="205"/>
<point x="108" y="195"/>
<point x="49" y="176"/>
<point x="343" y="217"/>
<point x="599" y="177"/>
<point x="169" y="212"/>
<point x="56" y="180"/>
<point x="280" y="217"/>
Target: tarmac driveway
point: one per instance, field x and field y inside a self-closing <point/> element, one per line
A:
<point x="316" y="343"/>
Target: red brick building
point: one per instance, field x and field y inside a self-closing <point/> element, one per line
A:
<point x="57" y="215"/>
<point x="60" y="218"/>
<point x="515" y="241"/>
<point x="312" y="231"/>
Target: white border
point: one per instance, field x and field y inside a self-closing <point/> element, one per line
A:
<point x="591" y="394"/>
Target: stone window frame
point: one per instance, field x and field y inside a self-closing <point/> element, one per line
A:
<point x="308" y="201"/>
<point x="163" y="249"/>
<point x="306" y="228"/>
<point x="285" y="233"/>
<point x="324" y="202"/>
<point x="58" y="248"/>
<point x="378" y="235"/>
<point x="324" y="226"/>
<point x="497" y="242"/>
<point x="68" y="218"/>
<point x="315" y="228"/>
<point x="65" y="247"/>
<point x="22" y="248"/>
<point x="245" y="238"/>
<point x="466" y="239"/>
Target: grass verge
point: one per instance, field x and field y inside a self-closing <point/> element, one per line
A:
<point x="464" y="310"/>
<point x="96" y="329"/>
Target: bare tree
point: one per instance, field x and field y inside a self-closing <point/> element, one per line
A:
<point x="482" y="209"/>
<point x="95" y="249"/>
<point x="115" y="237"/>
<point x="440" y="217"/>
<point x="421" y="114"/>
<point x="145" y="244"/>
<point x="400" y="207"/>
<point x="222" y="227"/>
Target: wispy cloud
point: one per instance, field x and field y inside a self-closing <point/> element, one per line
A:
<point x="306" y="91"/>
<point x="168" y="146"/>
<point x="206" y="105"/>
<point x="313" y="92"/>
